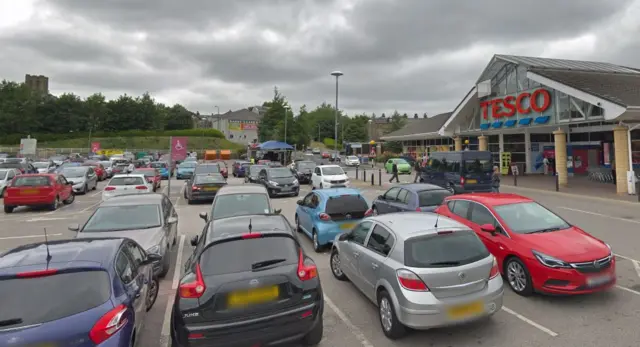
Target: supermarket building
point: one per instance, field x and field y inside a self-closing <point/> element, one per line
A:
<point x="583" y="116"/>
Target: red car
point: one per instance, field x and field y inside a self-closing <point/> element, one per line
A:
<point x="537" y="250"/>
<point x="99" y="169"/>
<point x="49" y="190"/>
<point x="152" y="175"/>
<point x="325" y="155"/>
<point x="223" y="168"/>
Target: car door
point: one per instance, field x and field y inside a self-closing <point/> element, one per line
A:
<point x="313" y="211"/>
<point x="134" y="285"/>
<point x="389" y="199"/>
<point x="303" y="212"/>
<point x="400" y="203"/>
<point x="173" y="228"/>
<point x="379" y="244"/>
<point x="499" y="243"/>
<point x="93" y="178"/>
<point x="64" y="189"/>
<point x="316" y="177"/>
<point x="350" y="253"/>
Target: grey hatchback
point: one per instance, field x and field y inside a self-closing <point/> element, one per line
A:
<point x="422" y="270"/>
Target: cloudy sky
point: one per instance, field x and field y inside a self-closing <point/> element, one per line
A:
<point x="410" y="55"/>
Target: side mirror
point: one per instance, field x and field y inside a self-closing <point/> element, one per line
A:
<point x="204" y="216"/>
<point x="152" y="258"/>
<point x="172" y="220"/>
<point x="488" y="228"/>
<point x="300" y="202"/>
<point x="277" y="211"/>
<point x="344" y="236"/>
<point x="380" y="197"/>
<point x="74" y="227"/>
<point x="194" y="240"/>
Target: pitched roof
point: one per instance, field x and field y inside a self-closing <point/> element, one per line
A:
<point x="421" y="126"/>
<point x="566" y="64"/>
<point x="620" y="88"/>
<point x="243" y="114"/>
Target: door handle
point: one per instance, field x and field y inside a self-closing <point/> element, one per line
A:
<point x="356" y="254"/>
<point x="374" y="266"/>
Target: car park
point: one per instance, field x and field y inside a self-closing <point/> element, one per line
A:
<point x="279" y="181"/>
<point x="303" y="170"/>
<point x="34" y="190"/>
<point x="352" y="160"/>
<point x="418" y="197"/>
<point x="204" y="187"/>
<point x="126" y="185"/>
<point x="152" y="176"/>
<point x="82" y="178"/>
<point x="185" y="169"/>
<point x="6" y="176"/>
<point x="253" y="175"/>
<point x="422" y="271"/>
<point x="44" y="166"/>
<point x="323" y="214"/>
<point x="403" y="166"/>
<point x="537" y="250"/>
<point x="266" y="289"/>
<point x="149" y="219"/>
<point x="90" y="292"/>
<point x="329" y="176"/>
<point x="247" y="199"/>
<point x="165" y="171"/>
<point x="460" y="172"/>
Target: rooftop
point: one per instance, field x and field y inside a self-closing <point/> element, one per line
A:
<point x="420" y="126"/>
<point x="242" y="189"/>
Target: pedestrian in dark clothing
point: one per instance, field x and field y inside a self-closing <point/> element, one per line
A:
<point x="418" y="169"/>
<point x="495" y="180"/>
<point x="394" y="170"/>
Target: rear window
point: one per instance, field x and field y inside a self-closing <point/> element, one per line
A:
<point x="126" y="181"/>
<point x="346" y="204"/>
<point x="211" y="168"/>
<point x="158" y="165"/>
<point x="432" y="197"/>
<point x="239" y="256"/>
<point x="148" y="173"/>
<point x="45" y="299"/>
<point x="11" y="165"/>
<point x="206" y="179"/>
<point x="255" y="169"/>
<point x="22" y="181"/>
<point x="455" y="249"/>
<point x="239" y="205"/>
<point x="478" y="166"/>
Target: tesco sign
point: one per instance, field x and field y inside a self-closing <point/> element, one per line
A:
<point x="509" y="105"/>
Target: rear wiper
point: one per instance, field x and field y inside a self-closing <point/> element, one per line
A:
<point x="8" y="322"/>
<point x="265" y="263"/>
<point x="446" y="263"/>
<point x="543" y="230"/>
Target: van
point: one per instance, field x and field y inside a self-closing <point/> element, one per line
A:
<point x="459" y="172"/>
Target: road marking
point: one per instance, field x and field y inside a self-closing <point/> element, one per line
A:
<point x="42" y="219"/>
<point x="530" y="322"/>
<point x="177" y="272"/>
<point x="628" y="290"/>
<point x="26" y="237"/>
<point x="354" y="329"/>
<point x="96" y="193"/>
<point x="636" y="265"/>
<point x="626" y="258"/>
<point x="90" y="207"/>
<point x="601" y="215"/>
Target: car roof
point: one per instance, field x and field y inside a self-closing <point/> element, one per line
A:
<point x="38" y="175"/>
<point x="492" y="199"/>
<point x="134" y="199"/>
<point x="418" y="187"/>
<point x="333" y="192"/>
<point x="145" y="169"/>
<point x="260" y="223"/>
<point x="410" y="224"/>
<point x="323" y="166"/>
<point x="128" y="175"/>
<point x="248" y="188"/>
<point x="64" y="253"/>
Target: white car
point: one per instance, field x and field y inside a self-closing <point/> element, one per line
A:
<point x="352" y="160"/>
<point x="126" y="184"/>
<point x="329" y="176"/>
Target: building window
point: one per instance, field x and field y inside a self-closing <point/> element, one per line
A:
<point x="595" y="112"/>
<point x="577" y="108"/>
<point x="512" y="82"/>
<point x="562" y="106"/>
<point x="523" y="81"/>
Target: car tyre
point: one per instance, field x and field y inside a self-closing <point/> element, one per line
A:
<point x="391" y="326"/>
<point x="56" y="203"/>
<point x="189" y="202"/>
<point x="8" y="209"/>
<point x="314" y="337"/>
<point x="450" y="188"/>
<point x="518" y="277"/>
<point x="316" y="244"/>
<point x="298" y="228"/>
<point x="85" y="189"/>
<point x="375" y="211"/>
<point x="70" y="199"/>
<point x="335" y="262"/>
<point x="153" y="293"/>
<point x="95" y="186"/>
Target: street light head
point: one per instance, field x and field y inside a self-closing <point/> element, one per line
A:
<point x="337" y="73"/>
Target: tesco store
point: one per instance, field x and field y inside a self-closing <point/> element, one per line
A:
<point x="582" y="116"/>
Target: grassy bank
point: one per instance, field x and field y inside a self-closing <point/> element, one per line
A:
<point x="153" y="142"/>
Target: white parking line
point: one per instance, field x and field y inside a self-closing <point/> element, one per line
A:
<point x="26" y="237"/>
<point x="629" y="290"/>
<point x="354" y="329"/>
<point x="530" y="322"/>
<point x="96" y="193"/>
<point x="601" y="215"/>
<point x="177" y="271"/>
<point x="165" y="333"/>
<point x="90" y="207"/>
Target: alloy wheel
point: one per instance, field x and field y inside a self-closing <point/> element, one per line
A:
<point x="335" y="265"/>
<point x="385" y="314"/>
<point x="516" y="276"/>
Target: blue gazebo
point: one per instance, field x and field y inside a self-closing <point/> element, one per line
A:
<point x="275" y="150"/>
<point x="274" y="146"/>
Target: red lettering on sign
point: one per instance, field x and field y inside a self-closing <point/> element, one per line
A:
<point x="505" y="107"/>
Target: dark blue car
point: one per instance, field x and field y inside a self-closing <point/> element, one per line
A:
<point x="418" y="197"/>
<point x="240" y="168"/>
<point x="81" y="293"/>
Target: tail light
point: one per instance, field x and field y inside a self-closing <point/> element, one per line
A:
<point x="109" y="188"/>
<point x="418" y="209"/>
<point x="324" y="217"/>
<point x="40" y="273"/>
<point x="194" y="188"/>
<point x="251" y="236"/>
<point x="495" y="270"/>
<point x="195" y="289"/>
<point x="307" y="269"/>
<point x="368" y="213"/>
<point x="410" y="281"/>
<point x="461" y="181"/>
<point x="141" y="187"/>
<point x="21" y="170"/>
<point x="109" y="324"/>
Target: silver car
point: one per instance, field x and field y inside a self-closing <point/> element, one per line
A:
<point x="149" y="219"/>
<point x="422" y="270"/>
<point x="6" y="175"/>
<point x="82" y="178"/>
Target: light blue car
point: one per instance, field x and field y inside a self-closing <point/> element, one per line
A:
<point x="186" y="169"/>
<point x="325" y="213"/>
<point x="163" y="167"/>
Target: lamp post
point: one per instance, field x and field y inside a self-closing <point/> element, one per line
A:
<point x="337" y="74"/>
<point x="287" y="108"/>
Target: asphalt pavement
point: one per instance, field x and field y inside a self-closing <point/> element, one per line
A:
<point x="609" y="318"/>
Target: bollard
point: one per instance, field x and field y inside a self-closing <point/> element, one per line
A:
<point x="515" y="180"/>
<point x="356" y="172"/>
<point x="557" y="183"/>
<point x="638" y="189"/>
<point x="372" y="179"/>
<point x="364" y="176"/>
<point x="379" y="177"/>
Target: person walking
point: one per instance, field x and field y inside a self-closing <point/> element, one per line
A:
<point x="545" y="162"/>
<point x="394" y="170"/>
<point x="418" y="169"/>
<point x="495" y="180"/>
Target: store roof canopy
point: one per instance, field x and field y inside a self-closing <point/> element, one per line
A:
<point x="274" y="146"/>
<point x="418" y="129"/>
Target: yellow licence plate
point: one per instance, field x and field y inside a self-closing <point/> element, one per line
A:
<point x="472" y="181"/>
<point x="253" y="296"/>
<point x="211" y="189"/>
<point x="347" y="226"/>
<point x="29" y="191"/>
<point x="466" y="310"/>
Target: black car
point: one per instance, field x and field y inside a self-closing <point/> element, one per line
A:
<point x="253" y="176"/>
<point x="248" y="283"/>
<point x="303" y="170"/>
<point x="204" y="187"/>
<point x="204" y="168"/>
<point x="279" y="181"/>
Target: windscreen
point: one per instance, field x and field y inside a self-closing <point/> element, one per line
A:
<point x="454" y="249"/>
<point x="478" y="166"/>
<point x="400" y="161"/>
<point x="128" y="217"/>
<point x="306" y="166"/>
<point x="332" y="170"/>
<point x="239" y="256"/>
<point x="74" y="172"/>
<point x="11" y="165"/>
<point x="13" y="160"/>
<point x="245" y="165"/>
<point x="40" y="165"/>
<point x="158" y="165"/>
<point x="530" y="217"/>
<point x="105" y="163"/>
<point x="29" y="301"/>
<point x="188" y="164"/>
<point x="31" y="181"/>
<point x="352" y="157"/>
<point x="3" y="174"/>
<point x="210" y="179"/>
<point x="240" y="205"/>
<point x="254" y="170"/>
<point x="432" y="197"/>
<point x="147" y="173"/>
<point x="209" y="168"/>
<point x="280" y="173"/>
<point x="126" y="181"/>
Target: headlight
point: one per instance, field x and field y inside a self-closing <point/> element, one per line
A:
<point x="550" y="261"/>
<point x="295" y="182"/>
<point x="609" y="246"/>
<point x="273" y="183"/>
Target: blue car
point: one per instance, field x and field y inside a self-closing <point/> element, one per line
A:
<point x="240" y="168"/>
<point x="325" y="213"/>
<point x="418" y="197"/>
<point x="163" y="168"/>
<point x="82" y="293"/>
<point x="186" y="169"/>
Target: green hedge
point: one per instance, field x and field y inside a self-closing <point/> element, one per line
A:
<point x="330" y="143"/>
<point x="14" y="139"/>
